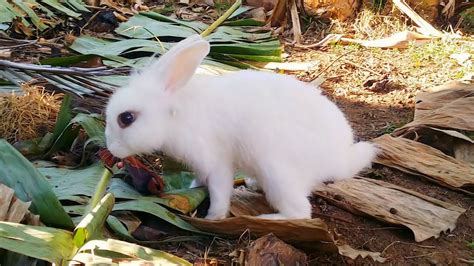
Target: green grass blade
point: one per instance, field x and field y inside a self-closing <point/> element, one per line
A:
<point x="30" y="185"/>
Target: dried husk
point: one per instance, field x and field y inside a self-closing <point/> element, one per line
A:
<point x="426" y="216"/>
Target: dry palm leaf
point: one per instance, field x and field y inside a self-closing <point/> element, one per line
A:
<point x="425" y="216"/>
<point x="246" y="202"/>
<point x="76" y="80"/>
<point x="450" y="105"/>
<point x="399" y="40"/>
<point x="420" y="159"/>
<point x="304" y="233"/>
<point x="442" y="115"/>
<point x="450" y="142"/>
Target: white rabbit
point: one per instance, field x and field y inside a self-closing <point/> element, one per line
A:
<point x="281" y="131"/>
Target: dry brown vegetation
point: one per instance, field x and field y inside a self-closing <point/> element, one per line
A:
<point x="29" y="114"/>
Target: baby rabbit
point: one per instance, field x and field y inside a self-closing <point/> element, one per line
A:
<point x="281" y="131"/>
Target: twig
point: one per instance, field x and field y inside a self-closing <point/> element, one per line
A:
<point x="333" y="217"/>
<point x="421" y="255"/>
<point x="222" y="18"/>
<point x="400" y="242"/>
<point x="372" y="229"/>
<point x="332" y="63"/>
<point x="364" y="68"/>
<point x="88" y="22"/>
<point x="466" y="261"/>
<point x="331" y="38"/>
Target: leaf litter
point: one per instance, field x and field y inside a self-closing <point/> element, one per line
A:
<point x="115" y="58"/>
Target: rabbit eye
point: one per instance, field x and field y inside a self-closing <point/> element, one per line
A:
<point x="125" y="119"/>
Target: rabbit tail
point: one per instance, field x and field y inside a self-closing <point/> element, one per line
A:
<point x="359" y="157"/>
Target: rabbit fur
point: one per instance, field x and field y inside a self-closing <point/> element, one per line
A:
<point x="281" y="131"/>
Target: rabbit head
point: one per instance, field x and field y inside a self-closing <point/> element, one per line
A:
<point x="138" y="115"/>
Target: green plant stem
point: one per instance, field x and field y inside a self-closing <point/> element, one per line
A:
<point x="100" y="189"/>
<point x="91" y="225"/>
<point x="222" y="18"/>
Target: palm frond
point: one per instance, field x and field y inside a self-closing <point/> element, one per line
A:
<point x="98" y="81"/>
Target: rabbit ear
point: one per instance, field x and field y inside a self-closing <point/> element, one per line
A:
<point x="182" y="64"/>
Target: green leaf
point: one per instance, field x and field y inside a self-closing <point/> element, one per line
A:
<point x="244" y="22"/>
<point x="128" y="252"/>
<point x="117" y="226"/>
<point x="92" y="45"/>
<point x="46" y="243"/>
<point x="34" y="147"/>
<point x="34" y="18"/>
<point x="195" y="25"/>
<point x="92" y="125"/>
<point x="143" y="27"/>
<point x="64" y="116"/>
<point x="29" y="185"/>
<point x="155" y="210"/>
<point x="77" y="5"/>
<point x="65" y="61"/>
<point x="58" y="6"/>
<point x="186" y="200"/>
<point x="73" y="182"/>
<point x="241" y="10"/>
<point x="177" y="180"/>
<point x="69" y="184"/>
<point x="9" y="12"/>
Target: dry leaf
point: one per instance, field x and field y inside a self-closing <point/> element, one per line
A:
<point x="269" y="250"/>
<point x="450" y="105"/>
<point x="425" y="216"/>
<point x="14" y="210"/>
<point x="304" y="233"/>
<point x="448" y="141"/>
<point x="353" y="253"/>
<point x="440" y="114"/>
<point x="293" y="231"/>
<point x="397" y="40"/>
<point x="131" y="221"/>
<point x="246" y="202"/>
<point x="420" y="159"/>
